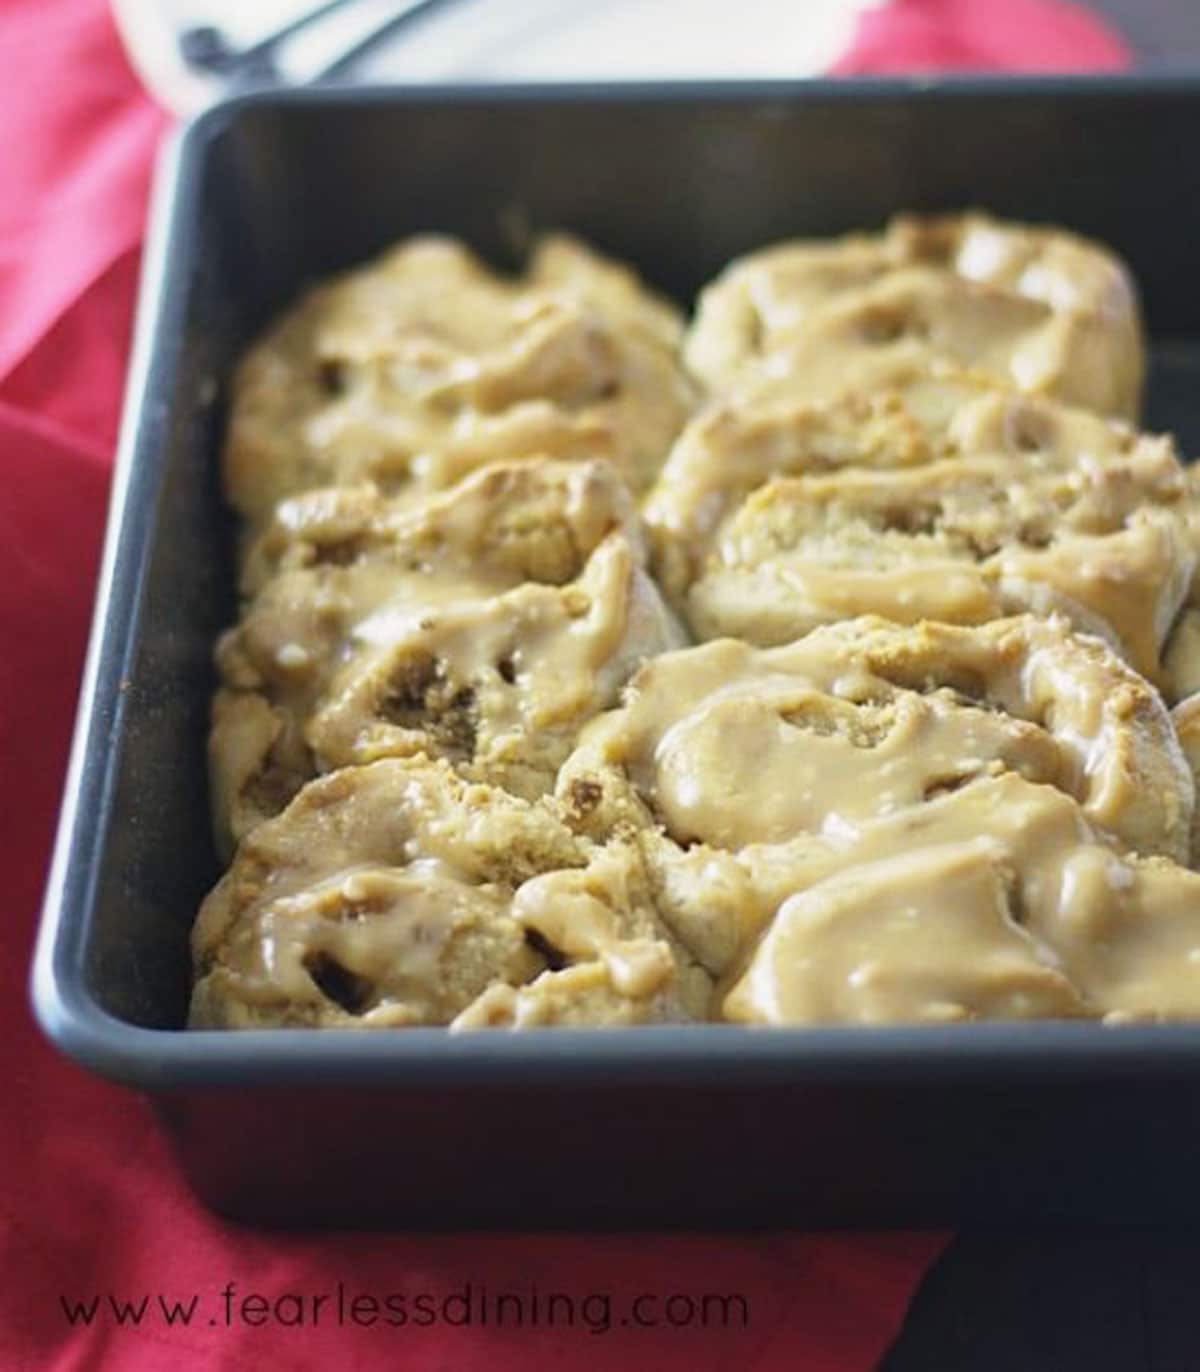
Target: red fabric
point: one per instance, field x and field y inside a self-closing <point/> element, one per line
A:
<point x="982" y="36"/>
<point x="91" y="1201"/>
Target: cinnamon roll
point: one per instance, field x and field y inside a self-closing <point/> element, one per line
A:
<point x="423" y="365"/>
<point x="484" y="625"/>
<point x="1039" y="309"/>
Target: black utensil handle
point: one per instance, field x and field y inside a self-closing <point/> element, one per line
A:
<point x="207" y="48"/>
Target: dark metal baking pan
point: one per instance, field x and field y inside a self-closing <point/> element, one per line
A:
<point x="693" y="1126"/>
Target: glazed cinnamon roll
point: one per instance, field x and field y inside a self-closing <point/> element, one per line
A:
<point x="397" y="894"/>
<point x="1039" y="309"/>
<point x="939" y="498"/>
<point x="419" y="367"/>
<point x="485" y="625"/>
<point x="729" y="745"/>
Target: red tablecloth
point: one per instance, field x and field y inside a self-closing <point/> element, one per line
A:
<point x="91" y="1203"/>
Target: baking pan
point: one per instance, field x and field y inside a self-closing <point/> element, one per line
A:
<point x="692" y="1126"/>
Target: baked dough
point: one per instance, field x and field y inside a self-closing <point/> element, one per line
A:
<point x="960" y="542"/>
<point x="915" y="415"/>
<point x="423" y="365"/>
<point x="1039" y="309"/>
<point x="398" y="894"/>
<point x="485" y="625"/>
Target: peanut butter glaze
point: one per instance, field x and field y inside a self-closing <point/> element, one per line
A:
<point x="998" y="901"/>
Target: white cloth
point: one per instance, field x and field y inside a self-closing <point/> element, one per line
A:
<point x="505" y="40"/>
